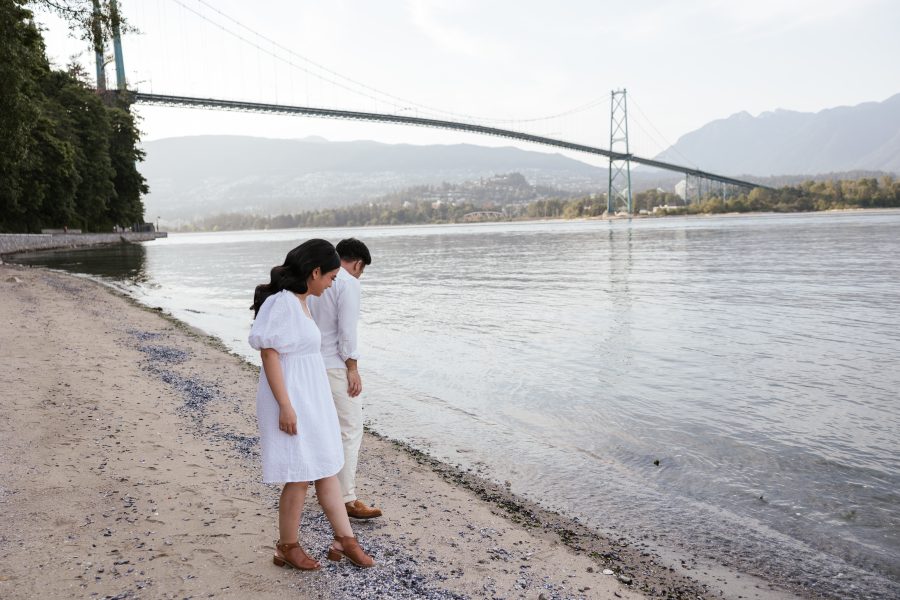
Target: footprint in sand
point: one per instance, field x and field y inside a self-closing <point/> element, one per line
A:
<point x="231" y="499"/>
<point x="202" y="471"/>
<point x="252" y="582"/>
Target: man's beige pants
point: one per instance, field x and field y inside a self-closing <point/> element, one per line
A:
<point x="349" y="412"/>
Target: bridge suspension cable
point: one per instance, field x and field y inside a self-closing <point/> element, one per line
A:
<point x="666" y="145"/>
<point x="458" y="122"/>
<point x="354" y="86"/>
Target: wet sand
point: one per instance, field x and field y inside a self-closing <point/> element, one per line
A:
<point x="128" y="469"/>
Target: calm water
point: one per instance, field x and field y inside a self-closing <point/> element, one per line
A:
<point x="756" y="358"/>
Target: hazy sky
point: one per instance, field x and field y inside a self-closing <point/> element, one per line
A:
<point x="684" y="63"/>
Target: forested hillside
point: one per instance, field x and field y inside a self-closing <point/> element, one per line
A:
<point x="67" y="155"/>
<point x="460" y="203"/>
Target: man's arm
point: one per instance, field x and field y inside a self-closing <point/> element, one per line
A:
<point x="348" y="318"/>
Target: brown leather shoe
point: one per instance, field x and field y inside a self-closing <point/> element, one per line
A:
<point x="350" y="549"/>
<point x="358" y="510"/>
<point x="292" y="555"/>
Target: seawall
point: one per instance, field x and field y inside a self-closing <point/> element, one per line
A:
<point x="10" y="243"/>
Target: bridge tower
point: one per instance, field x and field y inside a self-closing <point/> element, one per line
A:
<point x="619" y="191"/>
<point x="117" y="45"/>
<point x="97" y="39"/>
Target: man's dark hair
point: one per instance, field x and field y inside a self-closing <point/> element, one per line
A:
<point x="352" y="249"/>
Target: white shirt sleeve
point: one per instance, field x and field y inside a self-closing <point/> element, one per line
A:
<point x="347" y="319"/>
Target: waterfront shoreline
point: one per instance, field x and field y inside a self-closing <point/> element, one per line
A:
<point x="539" y="220"/>
<point x="166" y="502"/>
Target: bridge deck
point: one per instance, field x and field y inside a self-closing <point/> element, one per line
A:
<point x="165" y="100"/>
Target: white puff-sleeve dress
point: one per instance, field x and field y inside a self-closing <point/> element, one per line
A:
<point x="316" y="451"/>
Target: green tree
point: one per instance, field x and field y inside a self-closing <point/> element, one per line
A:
<point x="21" y="64"/>
<point x="124" y="153"/>
<point x="83" y="121"/>
<point x="66" y="156"/>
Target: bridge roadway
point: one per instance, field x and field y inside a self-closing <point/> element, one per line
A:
<point x="165" y="100"/>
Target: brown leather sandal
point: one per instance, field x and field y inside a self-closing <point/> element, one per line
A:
<point x="350" y="549"/>
<point x="300" y="559"/>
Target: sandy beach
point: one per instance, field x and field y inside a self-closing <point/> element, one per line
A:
<point x="129" y="470"/>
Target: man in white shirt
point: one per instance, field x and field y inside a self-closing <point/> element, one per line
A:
<point x="336" y="312"/>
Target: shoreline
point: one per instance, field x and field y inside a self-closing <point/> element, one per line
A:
<point x="9" y="247"/>
<point x="524" y="221"/>
<point x="445" y="534"/>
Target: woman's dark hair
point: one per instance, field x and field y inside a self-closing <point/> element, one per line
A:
<point x="298" y="266"/>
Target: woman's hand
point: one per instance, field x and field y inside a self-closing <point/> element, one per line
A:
<point x="287" y="420"/>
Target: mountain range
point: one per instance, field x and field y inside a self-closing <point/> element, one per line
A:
<point x="782" y="142"/>
<point x="193" y="177"/>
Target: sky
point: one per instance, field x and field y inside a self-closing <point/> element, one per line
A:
<point x="503" y="63"/>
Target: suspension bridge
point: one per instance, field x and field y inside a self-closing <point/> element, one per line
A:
<point x="619" y="193"/>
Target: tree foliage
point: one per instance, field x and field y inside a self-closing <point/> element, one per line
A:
<point x="67" y="158"/>
<point x="866" y="192"/>
<point x="84" y="22"/>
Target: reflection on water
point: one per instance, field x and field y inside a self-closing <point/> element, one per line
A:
<point x="754" y="358"/>
<point x="115" y="262"/>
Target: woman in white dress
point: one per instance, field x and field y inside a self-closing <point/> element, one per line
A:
<point x="299" y="434"/>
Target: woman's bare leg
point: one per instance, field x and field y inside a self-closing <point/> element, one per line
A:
<point x="290" y="509"/>
<point x="328" y="491"/>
